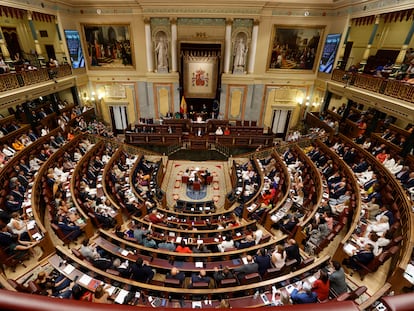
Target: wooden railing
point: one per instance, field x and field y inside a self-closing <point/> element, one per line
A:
<point x="10" y="81"/>
<point x="393" y="88"/>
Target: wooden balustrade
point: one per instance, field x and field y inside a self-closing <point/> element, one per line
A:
<point x="14" y="80"/>
<point x="393" y="88"/>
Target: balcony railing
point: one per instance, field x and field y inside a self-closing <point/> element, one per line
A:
<point x="14" y="80"/>
<point x="393" y="88"/>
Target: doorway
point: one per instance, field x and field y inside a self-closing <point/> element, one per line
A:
<point x="50" y="51"/>
<point x="119" y="118"/>
<point x="12" y="40"/>
<point x="280" y="122"/>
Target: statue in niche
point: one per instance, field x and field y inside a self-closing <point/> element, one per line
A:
<point x="162" y="53"/>
<point x="240" y="53"/>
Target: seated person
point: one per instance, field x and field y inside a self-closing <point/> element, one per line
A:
<point x="380" y="226"/>
<point x="321" y="286"/>
<point x="12" y="244"/>
<point x="155" y="217"/>
<point x="226" y="131"/>
<point x="183" y="248"/>
<point x="363" y="256"/>
<point x="141" y="271"/>
<point x="248" y="241"/>
<point x="227" y="243"/>
<point x="88" y="251"/>
<point x="304" y="294"/>
<point x="176" y="275"/>
<point x="69" y="229"/>
<point x="201" y="277"/>
<point x="219" y="131"/>
<point x="249" y="267"/>
<point x="223" y="274"/>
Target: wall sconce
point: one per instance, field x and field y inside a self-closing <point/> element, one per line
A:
<point x="299" y="101"/>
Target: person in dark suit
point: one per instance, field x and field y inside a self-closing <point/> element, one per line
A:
<point x="249" y="267"/>
<point x="362" y="166"/>
<point x="68" y="229"/>
<point x="141" y="272"/>
<point x="327" y="169"/>
<point x="363" y="256"/>
<point x="403" y="175"/>
<point x="223" y="274"/>
<point x="292" y="251"/>
<point x="12" y="205"/>
<point x="201" y="277"/>
<point x="176" y="275"/>
<point x="334" y="178"/>
<point x="263" y="261"/>
<point x="247" y="242"/>
<point x="410" y="181"/>
<point x="349" y="156"/>
<point x="338" y="190"/>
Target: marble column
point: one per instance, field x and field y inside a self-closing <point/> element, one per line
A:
<point x="148" y="44"/>
<point x="3" y="46"/>
<point x="253" y="46"/>
<point x="403" y="51"/>
<point x="370" y="41"/>
<point x="34" y="35"/>
<point x="62" y="49"/>
<point x="227" y="50"/>
<point x="174" y="60"/>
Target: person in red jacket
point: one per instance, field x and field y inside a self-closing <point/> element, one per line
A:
<point x="321" y="286"/>
<point x="156" y="217"/>
<point x="183" y="248"/>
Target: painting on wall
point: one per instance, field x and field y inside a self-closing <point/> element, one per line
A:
<point x="294" y="47"/>
<point x="108" y="46"/>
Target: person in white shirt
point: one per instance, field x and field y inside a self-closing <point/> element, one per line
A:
<point x="44" y="131"/>
<point x="219" y="131"/>
<point x="226" y="244"/>
<point x="9" y="152"/>
<point x="257" y="235"/>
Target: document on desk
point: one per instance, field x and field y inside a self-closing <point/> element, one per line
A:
<point x="124" y="252"/>
<point x="199" y="264"/>
<point x="85" y="279"/>
<point x="196" y="305"/>
<point x="111" y="290"/>
<point x="121" y="296"/>
<point x="311" y="279"/>
<point x="31" y="224"/>
<point x="290" y="288"/>
<point x="68" y="269"/>
<point x="178" y="239"/>
<point x="409" y="273"/>
<point x="244" y="259"/>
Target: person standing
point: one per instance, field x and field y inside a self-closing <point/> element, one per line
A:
<point x="337" y="279"/>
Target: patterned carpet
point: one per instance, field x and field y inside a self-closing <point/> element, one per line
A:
<point x="216" y="191"/>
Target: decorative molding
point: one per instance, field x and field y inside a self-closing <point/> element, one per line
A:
<point x="204" y="11"/>
<point x="245" y="23"/>
<point x="201" y="22"/>
<point x="160" y="21"/>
